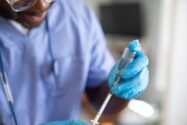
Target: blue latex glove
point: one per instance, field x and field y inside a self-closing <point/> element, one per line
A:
<point x="134" y="77"/>
<point x="68" y="122"/>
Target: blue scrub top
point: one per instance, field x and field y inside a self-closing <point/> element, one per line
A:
<point x="48" y="70"/>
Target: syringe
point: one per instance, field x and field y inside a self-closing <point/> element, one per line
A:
<point x="126" y="58"/>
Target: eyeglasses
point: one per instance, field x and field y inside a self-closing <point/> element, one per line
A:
<point x="22" y="5"/>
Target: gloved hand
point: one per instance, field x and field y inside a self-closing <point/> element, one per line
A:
<point x="68" y="122"/>
<point x="134" y="77"/>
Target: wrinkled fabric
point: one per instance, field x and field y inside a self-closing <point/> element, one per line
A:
<point x="134" y="76"/>
<point x="48" y="70"/>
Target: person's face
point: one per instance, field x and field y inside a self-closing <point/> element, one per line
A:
<point x="28" y="18"/>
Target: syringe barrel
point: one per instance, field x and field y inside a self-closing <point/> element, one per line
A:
<point x="126" y="58"/>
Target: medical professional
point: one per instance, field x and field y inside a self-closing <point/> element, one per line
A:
<point x="51" y="53"/>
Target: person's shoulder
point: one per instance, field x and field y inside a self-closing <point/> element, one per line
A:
<point x="72" y="6"/>
<point x="72" y="13"/>
<point x="67" y="10"/>
<point x="76" y="8"/>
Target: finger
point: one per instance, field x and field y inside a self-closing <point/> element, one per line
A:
<point x="124" y="86"/>
<point x="133" y="87"/>
<point x="131" y="70"/>
<point x="140" y="62"/>
<point x="134" y="45"/>
<point x="137" y="91"/>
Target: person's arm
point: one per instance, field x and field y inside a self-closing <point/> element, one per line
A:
<point x="134" y="77"/>
<point x="133" y="81"/>
<point x="97" y="95"/>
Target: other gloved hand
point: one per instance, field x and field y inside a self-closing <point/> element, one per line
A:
<point x="68" y="122"/>
<point x="134" y="77"/>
